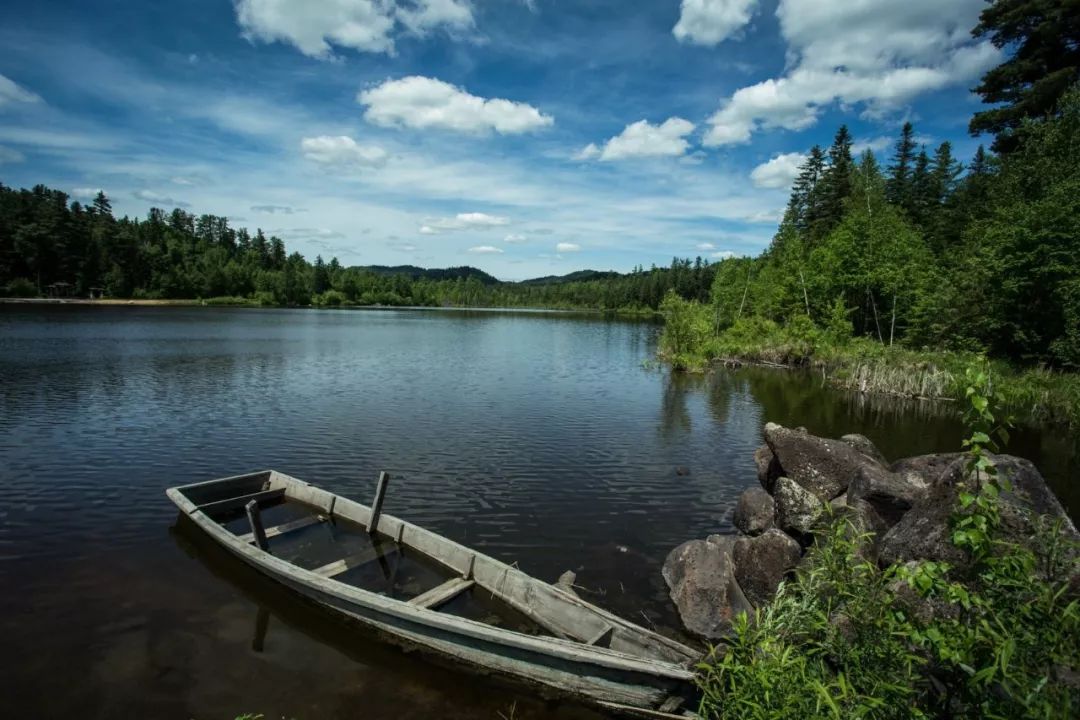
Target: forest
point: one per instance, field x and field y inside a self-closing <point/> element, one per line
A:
<point x="45" y="239"/>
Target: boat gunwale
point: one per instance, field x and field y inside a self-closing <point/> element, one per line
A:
<point x="569" y="650"/>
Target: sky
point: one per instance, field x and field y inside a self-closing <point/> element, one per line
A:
<point x="523" y="137"/>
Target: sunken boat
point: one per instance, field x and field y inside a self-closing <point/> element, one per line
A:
<point x="422" y="590"/>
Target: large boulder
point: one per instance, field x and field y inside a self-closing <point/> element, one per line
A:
<point x="865" y="446"/>
<point x="755" y="512"/>
<point x="797" y="509"/>
<point x="924" y="531"/>
<point x="889" y="494"/>
<point x="700" y="575"/>
<point x="762" y="562"/>
<point x="768" y="469"/>
<point x="925" y="468"/>
<point x="824" y="467"/>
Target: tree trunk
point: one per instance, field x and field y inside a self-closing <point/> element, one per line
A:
<point x="892" y="325"/>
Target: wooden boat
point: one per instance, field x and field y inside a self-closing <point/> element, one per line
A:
<point x="349" y="557"/>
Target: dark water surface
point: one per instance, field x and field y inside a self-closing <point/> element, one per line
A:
<point x="538" y="438"/>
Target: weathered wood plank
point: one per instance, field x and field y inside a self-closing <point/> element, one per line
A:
<point x="263" y="497"/>
<point x="601" y="638"/>
<point x="442" y="593"/>
<point x="376" y="506"/>
<point x="255" y="520"/>
<point x="337" y="567"/>
<point x="286" y="527"/>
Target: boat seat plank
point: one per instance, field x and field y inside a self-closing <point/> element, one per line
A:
<point x="237" y="503"/>
<point x="352" y="561"/>
<point x="285" y="527"/>
<point x="601" y="637"/>
<point x="442" y="593"/>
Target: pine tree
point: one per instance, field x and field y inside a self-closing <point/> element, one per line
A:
<point x="922" y="191"/>
<point x="804" y="207"/>
<point x="898" y="184"/>
<point x="835" y="184"/>
<point x="1044" y="64"/>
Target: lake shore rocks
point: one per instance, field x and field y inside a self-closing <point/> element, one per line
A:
<point x="901" y="513"/>
<point x="755" y="511"/>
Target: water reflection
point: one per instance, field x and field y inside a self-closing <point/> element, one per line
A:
<point x="539" y="439"/>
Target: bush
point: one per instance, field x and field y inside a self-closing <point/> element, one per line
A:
<point x="687" y="331"/>
<point x="330" y="298"/>
<point x="21" y="288"/>
<point x="265" y="298"/>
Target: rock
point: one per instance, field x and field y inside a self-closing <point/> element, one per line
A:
<point x="924" y="532"/>
<point x="865" y="446"/>
<point x="755" y="512"/>
<point x="768" y="469"/>
<point x="822" y="466"/>
<point x="927" y="468"/>
<point x="701" y="577"/>
<point x="762" y="562"/>
<point x="889" y="494"/>
<point x="867" y="527"/>
<point x="797" y="509"/>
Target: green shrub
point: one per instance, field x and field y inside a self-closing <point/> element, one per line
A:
<point x="687" y="330"/>
<point x="265" y="298"/>
<point x="845" y="639"/>
<point x="21" y="288"/>
<point x="330" y="298"/>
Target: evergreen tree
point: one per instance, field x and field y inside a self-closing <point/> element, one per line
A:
<point x="1044" y="64"/>
<point x="804" y="206"/>
<point x="835" y="184"/>
<point x="898" y="185"/>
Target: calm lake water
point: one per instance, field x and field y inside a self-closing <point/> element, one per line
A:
<point x="541" y="438"/>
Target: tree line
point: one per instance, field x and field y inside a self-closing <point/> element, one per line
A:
<point x="46" y="239"/>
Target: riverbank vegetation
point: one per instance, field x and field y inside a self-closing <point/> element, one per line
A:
<point x="893" y="279"/>
<point x="995" y="636"/>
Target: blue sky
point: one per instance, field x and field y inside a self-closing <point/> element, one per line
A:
<point x="522" y="137"/>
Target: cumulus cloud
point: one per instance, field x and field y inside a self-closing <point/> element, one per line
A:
<point x="875" y="144"/>
<point x="7" y="155"/>
<point x="710" y="22"/>
<point x="778" y="172"/>
<point x="159" y="200"/>
<point x="643" y="139"/>
<point x="423" y="102"/>
<point x="877" y="54"/>
<point x="723" y="255"/>
<point x="314" y="27"/>
<point x="85" y="193"/>
<point x="462" y="221"/>
<point x="514" y="239"/>
<point x="11" y="92"/>
<point x="566" y="247"/>
<point x="705" y="246"/>
<point x="341" y="151"/>
<point x="485" y="250"/>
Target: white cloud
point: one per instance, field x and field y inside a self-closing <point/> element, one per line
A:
<point x="11" y="92"/>
<point x="710" y="22"/>
<point x="315" y="26"/>
<point x="723" y="255"/>
<point x="589" y="152"/>
<point x="342" y="151"/>
<point x="485" y="250"/>
<point x="642" y="139"/>
<point x="779" y="171"/>
<point x="462" y="221"/>
<point x="514" y="239"/>
<point x="875" y="144"/>
<point x="422" y="102"/>
<point x="159" y="200"/>
<point x="183" y="181"/>
<point x="879" y="54"/>
<point x="705" y="246"/>
<point x="276" y="209"/>
<point x="565" y="247"/>
<point x="7" y="155"/>
<point x="85" y="193"/>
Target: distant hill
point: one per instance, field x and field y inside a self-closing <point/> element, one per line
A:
<point x="414" y="272"/>
<point x="579" y="276"/>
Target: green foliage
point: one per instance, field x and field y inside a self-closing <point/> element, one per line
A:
<point x="20" y="288"/>
<point x="847" y="639"/>
<point x="686" y="329"/>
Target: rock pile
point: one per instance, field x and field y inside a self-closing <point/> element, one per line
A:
<point x="905" y="506"/>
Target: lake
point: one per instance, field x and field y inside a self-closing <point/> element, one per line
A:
<point x="542" y="438"/>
